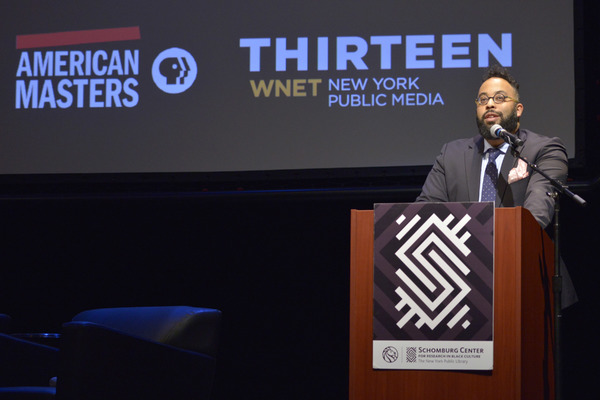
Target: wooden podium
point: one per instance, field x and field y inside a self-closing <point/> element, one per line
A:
<point x="523" y="366"/>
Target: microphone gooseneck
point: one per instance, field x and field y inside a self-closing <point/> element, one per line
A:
<point x="499" y="132"/>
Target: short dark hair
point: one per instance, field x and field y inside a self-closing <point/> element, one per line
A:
<point x="497" y="71"/>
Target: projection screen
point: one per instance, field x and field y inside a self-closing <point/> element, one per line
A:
<point x="215" y="86"/>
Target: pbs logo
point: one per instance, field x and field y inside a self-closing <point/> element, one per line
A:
<point x="174" y="70"/>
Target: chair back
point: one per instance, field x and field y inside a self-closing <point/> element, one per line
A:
<point x="190" y="328"/>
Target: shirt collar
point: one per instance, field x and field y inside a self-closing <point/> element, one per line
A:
<point x="503" y="148"/>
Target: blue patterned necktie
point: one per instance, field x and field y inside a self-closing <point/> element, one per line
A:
<point x="490" y="177"/>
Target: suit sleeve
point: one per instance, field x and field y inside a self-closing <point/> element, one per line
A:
<point x="435" y="188"/>
<point x="552" y="160"/>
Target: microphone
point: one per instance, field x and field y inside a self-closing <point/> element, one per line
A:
<point x="499" y="132"/>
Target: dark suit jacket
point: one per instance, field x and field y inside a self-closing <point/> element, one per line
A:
<point x="456" y="174"/>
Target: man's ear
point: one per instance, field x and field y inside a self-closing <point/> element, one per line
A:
<point x="519" y="109"/>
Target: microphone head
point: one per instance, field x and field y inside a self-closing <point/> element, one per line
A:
<point x="495" y="129"/>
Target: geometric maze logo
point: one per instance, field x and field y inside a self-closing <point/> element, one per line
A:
<point x="431" y="270"/>
<point x="433" y="275"/>
<point x="411" y="354"/>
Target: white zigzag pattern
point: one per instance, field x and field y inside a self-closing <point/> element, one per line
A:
<point x="417" y="270"/>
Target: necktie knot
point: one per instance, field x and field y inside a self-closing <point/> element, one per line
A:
<point x="493" y="154"/>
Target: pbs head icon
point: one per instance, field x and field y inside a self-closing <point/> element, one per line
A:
<point x="174" y="70"/>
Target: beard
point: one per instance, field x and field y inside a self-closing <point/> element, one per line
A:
<point x="510" y="123"/>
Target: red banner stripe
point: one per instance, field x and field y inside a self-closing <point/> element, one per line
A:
<point x="78" y="37"/>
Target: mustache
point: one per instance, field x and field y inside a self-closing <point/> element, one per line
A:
<point x="498" y="113"/>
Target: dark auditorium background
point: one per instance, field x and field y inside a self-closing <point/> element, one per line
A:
<point x="275" y="260"/>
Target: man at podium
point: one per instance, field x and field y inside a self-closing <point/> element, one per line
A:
<point x="484" y="167"/>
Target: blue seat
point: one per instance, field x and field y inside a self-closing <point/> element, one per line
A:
<point x="26" y="369"/>
<point x="26" y="363"/>
<point x="136" y="353"/>
<point x="28" y="393"/>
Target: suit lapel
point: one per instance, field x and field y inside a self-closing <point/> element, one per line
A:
<point x="473" y="157"/>
<point x="502" y="185"/>
<point x="510" y="162"/>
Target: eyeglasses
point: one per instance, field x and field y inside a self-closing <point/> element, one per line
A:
<point x="499" y="98"/>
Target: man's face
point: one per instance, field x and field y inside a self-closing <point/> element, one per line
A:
<point x="506" y="114"/>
